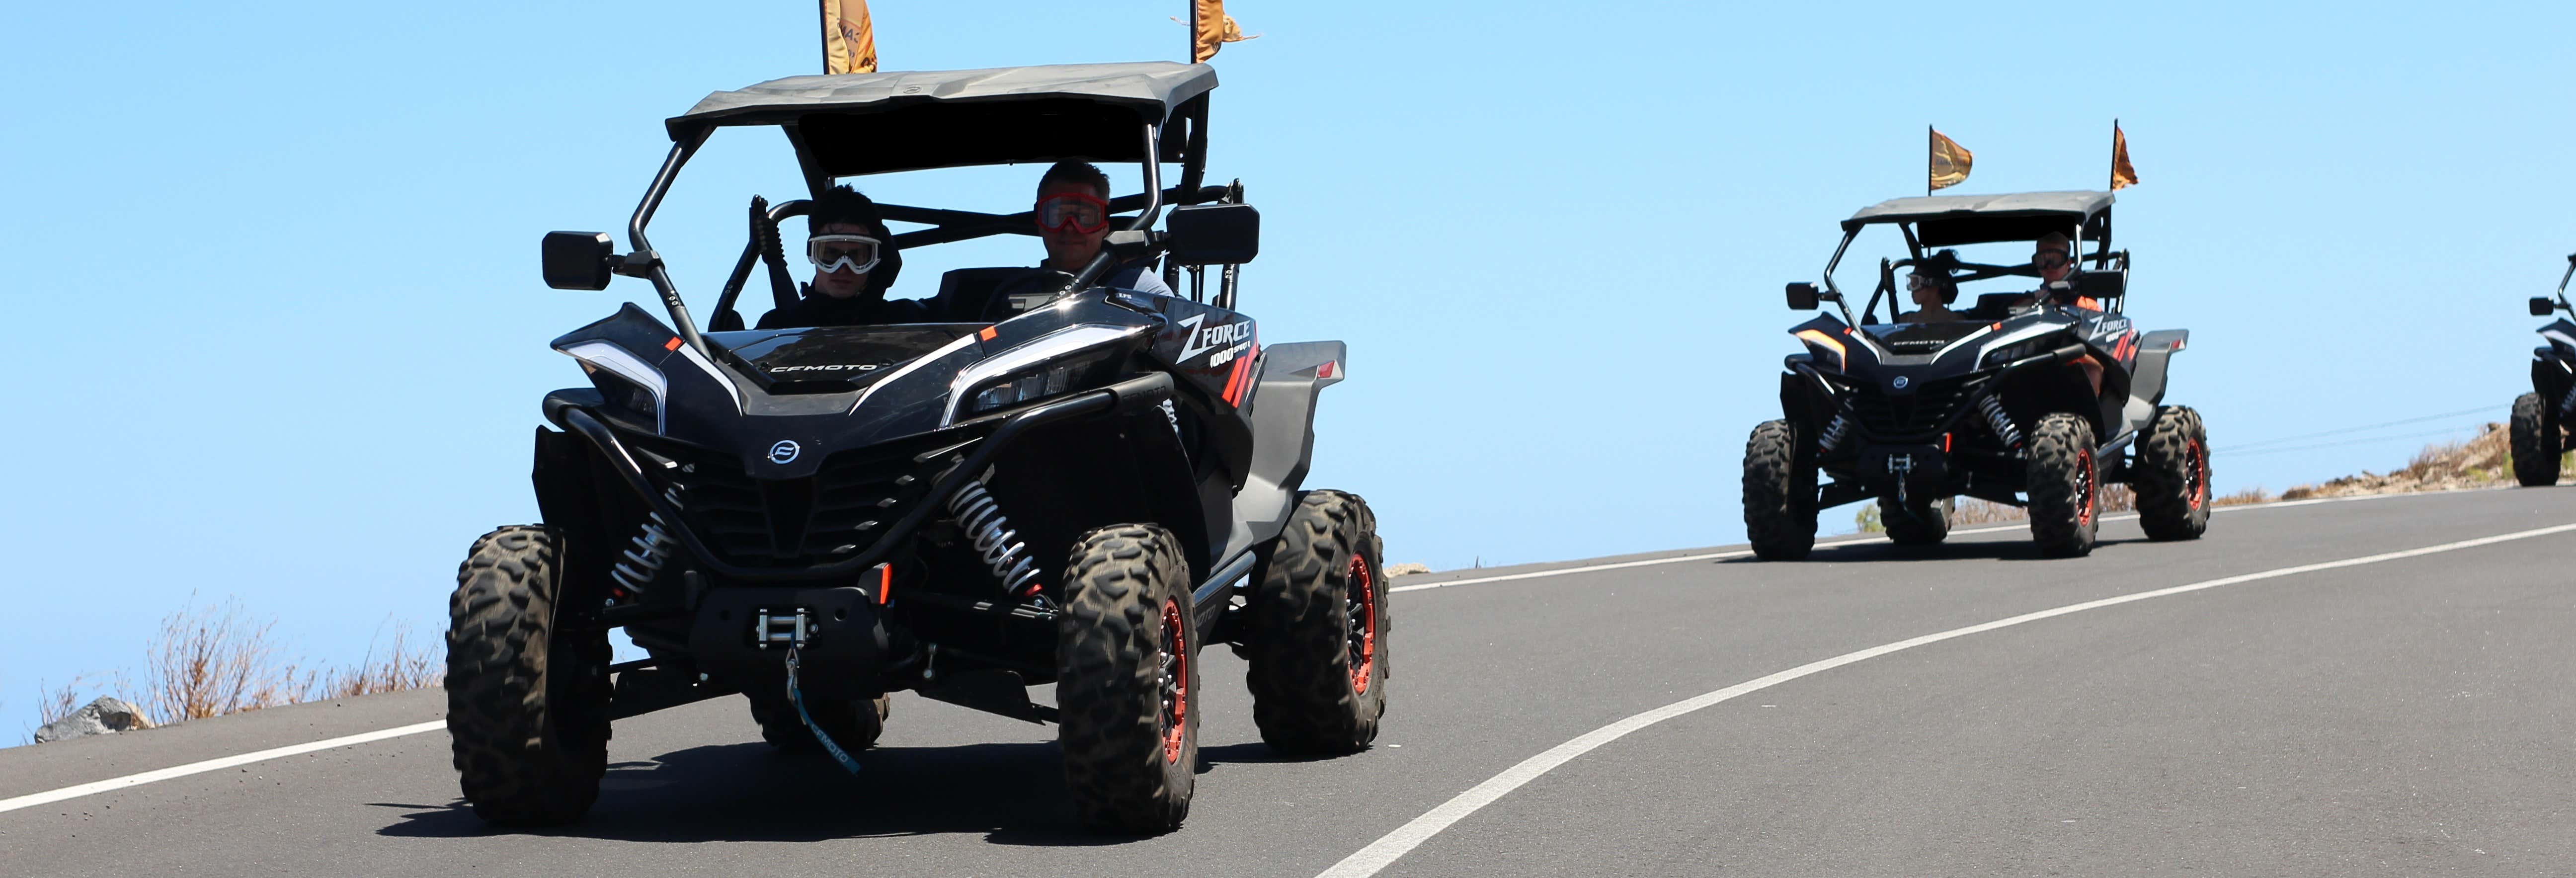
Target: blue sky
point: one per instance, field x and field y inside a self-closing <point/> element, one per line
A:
<point x="285" y="338"/>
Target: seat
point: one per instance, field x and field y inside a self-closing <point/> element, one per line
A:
<point x="966" y="294"/>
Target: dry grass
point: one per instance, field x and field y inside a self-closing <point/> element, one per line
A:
<point x="2245" y="497"/>
<point x="212" y="659"/>
<point x="398" y="669"/>
<point x="56" y="702"/>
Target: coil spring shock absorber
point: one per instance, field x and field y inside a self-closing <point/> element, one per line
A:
<point x="1834" y="430"/>
<point x="1999" y="422"/>
<point x="651" y="549"/>
<point x="1000" y="547"/>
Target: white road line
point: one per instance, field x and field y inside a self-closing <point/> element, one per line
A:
<point x="132" y="780"/>
<point x="1386" y="850"/>
<point x="1741" y="553"/>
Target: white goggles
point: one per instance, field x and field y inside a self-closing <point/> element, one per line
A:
<point x="834" y="253"/>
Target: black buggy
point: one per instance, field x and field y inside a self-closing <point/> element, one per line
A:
<point x="1081" y="487"/>
<point x="1994" y="402"/>
<point x="2541" y="417"/>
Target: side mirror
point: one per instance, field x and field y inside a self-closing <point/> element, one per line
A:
<point x="2102" y="284"/>
<point x="2541" y="306"/>
<point x="1212" y="234"/>
<point x="1802" y="296"/>
<point x="579" y="260"/>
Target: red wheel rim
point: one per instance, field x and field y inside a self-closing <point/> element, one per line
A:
<point x="2084" y="484"/>
<point x="1175" y="694"/>
<point x="1361" y="602"/>
<point x="2199" y="473"/>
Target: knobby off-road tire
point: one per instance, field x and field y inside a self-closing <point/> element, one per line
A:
<point x="1127" y="685"/>
<point x="1779" y="493"/>
<point x="854" y="724"/>
<point x="527" y="706"/>
<point x="1927" y="524"/>
<point x="2536" y="443"/>
<point x="2065" y="486"/>
<point x="1317" y="641"/>
<point x="2172" y="482"/>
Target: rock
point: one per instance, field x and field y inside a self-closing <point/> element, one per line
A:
<point x="1395" y="570"/>
<point x="106" y="716"/>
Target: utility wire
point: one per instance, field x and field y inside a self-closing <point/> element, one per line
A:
<point x="2460" y="413"/>
<point x="2449" y="432"/>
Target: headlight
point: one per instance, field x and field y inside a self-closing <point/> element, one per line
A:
<point x="2017" y="351"/>
<point x="622" y="393"/>
<point x="1078" y="372"/>
<point x="626" y="381"/>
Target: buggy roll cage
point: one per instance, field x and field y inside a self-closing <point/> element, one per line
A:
<point x="2092" y="226"/>
<point x="949" y="226"/>
<point x="946" y="226"/>
<point x="1088" y="105"/>
<point x="2562" y="288"/>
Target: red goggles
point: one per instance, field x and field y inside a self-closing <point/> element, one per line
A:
<point x="1073" y="211"/>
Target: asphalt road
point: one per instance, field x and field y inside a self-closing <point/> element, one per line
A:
<point x="2408" y="716"/>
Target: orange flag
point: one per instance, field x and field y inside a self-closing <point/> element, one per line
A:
<point x="1211" y="29"/>
<point x="1950" y="163"/>
<point x="2121" y="173"/>
<point x="849" y="40"/>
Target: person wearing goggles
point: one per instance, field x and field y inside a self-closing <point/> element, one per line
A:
<point x="2054" y="258"/>
<point x="854" y="263"/>
<point x="1073" y="221"/>
<point x="1933" y="291"/>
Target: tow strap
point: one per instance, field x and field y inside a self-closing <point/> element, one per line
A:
<point x="797" y="698"/>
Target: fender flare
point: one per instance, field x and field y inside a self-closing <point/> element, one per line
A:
<point x="1288" y="379"/>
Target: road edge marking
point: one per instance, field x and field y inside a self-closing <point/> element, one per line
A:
<point x="1379" y="854"/>
<point x="177" y="771"/>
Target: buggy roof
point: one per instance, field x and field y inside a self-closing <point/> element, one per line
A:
<point x="1976" y="219"/>
<point x="864" y="123"/>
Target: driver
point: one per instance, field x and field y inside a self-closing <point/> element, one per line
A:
<point x="2054" y="257"/>
<point x="1073" y="222"/>
<point x="854" y="262"/>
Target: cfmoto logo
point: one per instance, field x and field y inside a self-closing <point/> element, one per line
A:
<point x="1899" y="384"/>
<point x="785" y="451"/>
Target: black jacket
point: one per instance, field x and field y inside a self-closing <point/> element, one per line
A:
<point x="817" y="309"/>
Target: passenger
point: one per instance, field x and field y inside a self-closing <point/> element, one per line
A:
<point x="854" y="262"/>
<point x="1933" y="291"/>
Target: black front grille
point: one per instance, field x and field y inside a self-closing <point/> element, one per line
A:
<point x="1918" y="415"/>
<point x="833" y="515"/>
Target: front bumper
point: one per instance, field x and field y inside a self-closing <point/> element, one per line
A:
<point x="1121" y="398"/>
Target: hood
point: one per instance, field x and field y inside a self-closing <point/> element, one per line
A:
<point x="1921" y="339"/>
<point x="837" y="359"/>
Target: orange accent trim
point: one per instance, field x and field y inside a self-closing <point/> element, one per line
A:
<point x="672" y="345"/>
<point x="987" y="334"/>
<point x="885" y="582"/>
<point x="2088" y="303"/>
<point x="1945" y="443"/>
